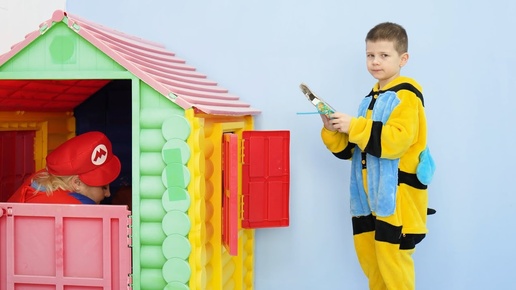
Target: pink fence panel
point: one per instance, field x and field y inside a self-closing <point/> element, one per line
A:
<point x="64" y="247"/>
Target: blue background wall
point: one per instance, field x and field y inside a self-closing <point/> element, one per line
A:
<point x="462" y="52"/>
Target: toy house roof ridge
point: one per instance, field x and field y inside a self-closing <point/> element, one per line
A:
<point x="151" y="62"/>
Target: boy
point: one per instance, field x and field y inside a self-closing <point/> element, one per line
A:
<point x="385" y="141"/>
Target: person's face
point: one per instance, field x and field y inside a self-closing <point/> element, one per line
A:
<point x="96" y="193"/>
<point x="383" y="61"/>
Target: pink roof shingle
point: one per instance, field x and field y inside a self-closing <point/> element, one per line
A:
<point x="150" y="62"/>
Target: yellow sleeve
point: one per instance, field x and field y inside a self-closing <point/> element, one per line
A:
<point x="401" y="129"/>
<point x="359" y="131"/>
<point x="334" y="141"/>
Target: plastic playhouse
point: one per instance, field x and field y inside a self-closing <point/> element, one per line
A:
<point x="196" y="176"/>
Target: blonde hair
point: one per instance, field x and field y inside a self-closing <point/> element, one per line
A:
<point x="51" y="183"/>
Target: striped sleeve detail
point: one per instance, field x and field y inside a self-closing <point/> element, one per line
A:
<point x="347" y="153"/>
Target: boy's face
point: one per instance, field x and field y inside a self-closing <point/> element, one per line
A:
<point x="383" y="61"/>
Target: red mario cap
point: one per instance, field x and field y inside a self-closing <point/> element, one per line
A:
<point x="88" y="155"/>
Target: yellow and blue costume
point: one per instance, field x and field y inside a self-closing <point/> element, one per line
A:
<point x="390" y="170"/>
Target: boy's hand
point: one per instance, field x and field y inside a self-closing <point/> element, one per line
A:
<point x="339" y="122"/>
<point x="327" y="123"/>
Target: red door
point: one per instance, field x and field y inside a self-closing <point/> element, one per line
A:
<point x="16" y="160"/>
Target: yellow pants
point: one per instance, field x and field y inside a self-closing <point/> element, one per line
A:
<point x="385" y="254"/>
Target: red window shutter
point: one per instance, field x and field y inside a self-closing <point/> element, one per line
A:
<point x="266" y="179"/>
<point x="230" y="194"/>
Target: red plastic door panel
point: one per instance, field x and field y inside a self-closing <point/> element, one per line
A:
<point x="266" y="179"/>
<point x="16" y="160"/>
<point x="61" y="247"/>
<point x="230" y="192"/>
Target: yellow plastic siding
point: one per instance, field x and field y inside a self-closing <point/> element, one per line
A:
<point x="198" y="211"/>
<point x="246" y="237"/>
<point x="52" y="129"/>
<point x="212" y="266"/>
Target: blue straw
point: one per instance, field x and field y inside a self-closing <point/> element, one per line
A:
<point x="307" y="113"/>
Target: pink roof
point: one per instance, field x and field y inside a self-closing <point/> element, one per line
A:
<point x="150" y="62"/>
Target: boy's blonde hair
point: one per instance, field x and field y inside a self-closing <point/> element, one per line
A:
<point x="390" y="32"/>
<point x="50" y="183"/>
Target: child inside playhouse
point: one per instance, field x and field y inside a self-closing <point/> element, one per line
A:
<point x="78" y="171"/>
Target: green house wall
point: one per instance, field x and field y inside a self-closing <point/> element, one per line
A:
<point x="57" y="54"/>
